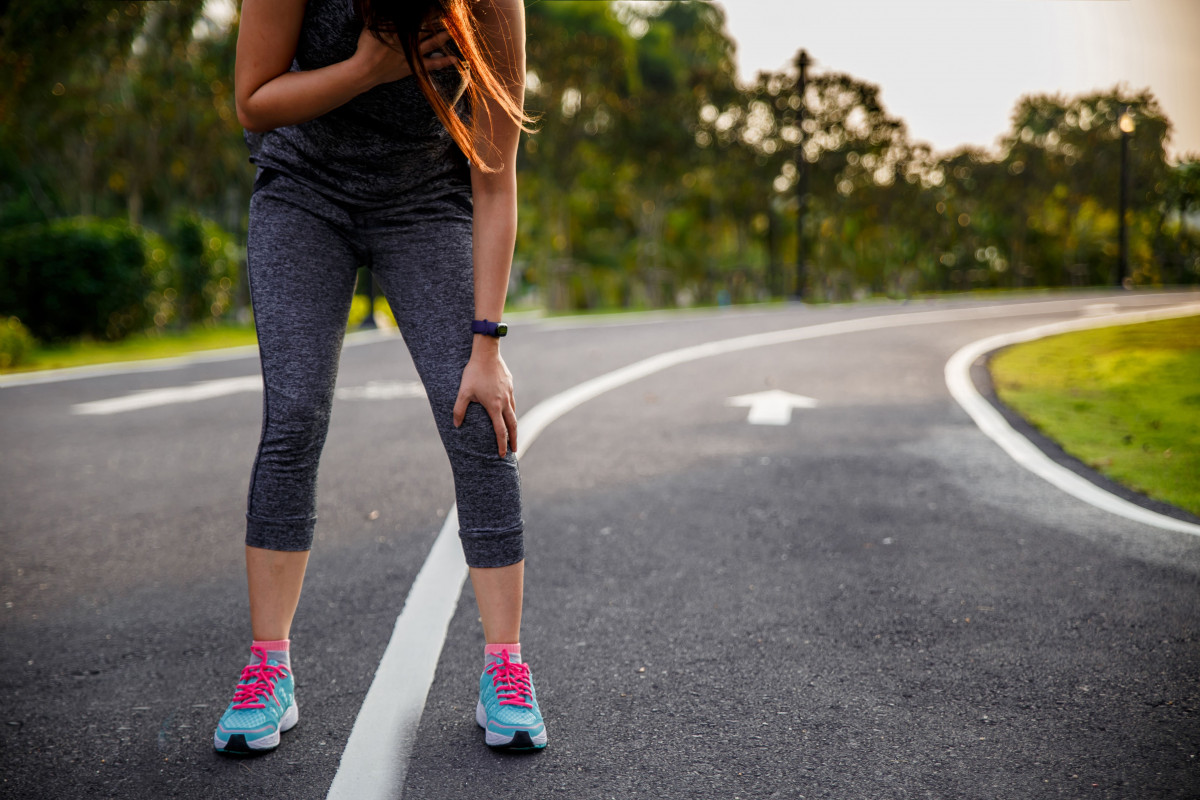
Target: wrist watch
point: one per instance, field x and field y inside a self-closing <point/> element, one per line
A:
<point x="496" y="329"/>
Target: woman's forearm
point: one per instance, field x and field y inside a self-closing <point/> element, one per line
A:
<point x="270" y="96"/>
<point x="494" y="192"/>
<point x="494" y="237"/>
<point x="295" y="97"/>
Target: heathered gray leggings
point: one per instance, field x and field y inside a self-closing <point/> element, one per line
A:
<point x="303" y="254"/>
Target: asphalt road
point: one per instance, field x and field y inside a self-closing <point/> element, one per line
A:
<point x="871" y="601"/>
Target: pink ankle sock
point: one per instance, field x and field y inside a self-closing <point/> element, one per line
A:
<point x="494" y="651"/>
<point x="277" y="650"/>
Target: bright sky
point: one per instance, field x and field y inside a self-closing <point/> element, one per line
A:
<point x="954" y="69"/>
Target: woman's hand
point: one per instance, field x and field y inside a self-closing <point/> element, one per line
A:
<point x="487" y="381"/>
<point x="384" y="62"/>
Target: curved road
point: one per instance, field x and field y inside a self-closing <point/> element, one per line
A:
<point x="871" y="600"/>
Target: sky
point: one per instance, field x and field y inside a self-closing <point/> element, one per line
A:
<point x="954" y="69"/>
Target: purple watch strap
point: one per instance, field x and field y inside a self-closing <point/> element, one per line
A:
<point x="484" y="327"/>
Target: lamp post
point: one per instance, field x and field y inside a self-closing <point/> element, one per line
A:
<point x="1126" y="125"/>
<point x="802" y="62"/>
<point x="368" y="322"/>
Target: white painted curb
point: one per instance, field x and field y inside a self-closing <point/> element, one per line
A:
<point x="1023" y="451"/>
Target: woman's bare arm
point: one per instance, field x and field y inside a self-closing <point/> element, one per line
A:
<point x="502" y="25"/>
<point x="268" y="96"/>
<point x="486" y="379"/>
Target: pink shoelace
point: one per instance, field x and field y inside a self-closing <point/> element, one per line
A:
<point x="511" y="681"/>
<point x="263" y="677"/>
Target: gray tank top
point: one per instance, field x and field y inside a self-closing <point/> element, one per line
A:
<point x="384" y="147"/>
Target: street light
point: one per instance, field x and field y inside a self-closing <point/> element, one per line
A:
<point x="802" y="64"/>
<point x="1125" y="123"/>
<point x="368" y="323"/>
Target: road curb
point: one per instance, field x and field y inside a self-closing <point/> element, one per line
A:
<point x="1037" y="453"/>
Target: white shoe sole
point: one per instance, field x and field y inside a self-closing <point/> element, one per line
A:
<point x="268" y="742"/>
<point x="494" y="739"/>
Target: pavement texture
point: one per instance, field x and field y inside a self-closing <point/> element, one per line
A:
<point x="872" y="601"/>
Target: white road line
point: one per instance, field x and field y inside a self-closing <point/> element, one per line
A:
<point x="381" y="390"/>
<point x="206" y="390"/>
<point x="377" y="754"/>
<point x="375" y="760"/>
<point x="1023" y="451"/>
<point x="150" y="398"/>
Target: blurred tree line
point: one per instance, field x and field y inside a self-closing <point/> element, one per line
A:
<point x="122" y="186"/>
<point x="655" y="178"/>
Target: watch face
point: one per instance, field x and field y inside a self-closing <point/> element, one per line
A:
<point x="501" y="328"/>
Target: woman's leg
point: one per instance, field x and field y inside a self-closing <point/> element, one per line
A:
<point x="425" y="269"/>
<point x="426" y="272"/>
<point x="274" y="578"/>
<point x="499" y="593"/>
<point x="302" y="269"/>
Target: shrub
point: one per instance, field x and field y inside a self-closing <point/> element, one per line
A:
<point x="15" y="342"/>
<point x="18" y="182"/>
<point x="160" y="299"/>
<point x="205" y="269"/>
<point x="358" y="311"/>
<point x="77" y="277"/>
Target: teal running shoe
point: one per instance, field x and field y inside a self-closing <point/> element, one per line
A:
<point x="508" y="709"/>
<point x="264" y="704"/>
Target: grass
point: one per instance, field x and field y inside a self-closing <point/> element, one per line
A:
<point x="1124" y="400"/>
<point x="135" y="348"/>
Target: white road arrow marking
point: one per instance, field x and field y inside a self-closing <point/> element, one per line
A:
<point x="771" y="407"/>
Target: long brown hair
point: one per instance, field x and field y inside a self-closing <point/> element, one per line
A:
<point x="404" y="19"/>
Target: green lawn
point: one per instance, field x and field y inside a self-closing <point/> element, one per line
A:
<point x="135" y="348"/>
<point x="1124" y="400"/>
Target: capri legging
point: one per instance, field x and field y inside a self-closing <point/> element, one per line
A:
<point x="303" y="252"/>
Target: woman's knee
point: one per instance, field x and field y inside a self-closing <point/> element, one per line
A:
<point x="475" y="438"/>
<point x="297" y="423"/>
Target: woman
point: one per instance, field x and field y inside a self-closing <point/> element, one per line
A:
<point x="385" y="133"/>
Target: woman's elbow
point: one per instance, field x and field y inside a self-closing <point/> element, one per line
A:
<point x="500" y="184"/>
<point x="249" y="120"/>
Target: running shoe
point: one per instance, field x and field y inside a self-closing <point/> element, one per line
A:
<point x="264" y="704"/>
<point x="508" y="709"/>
